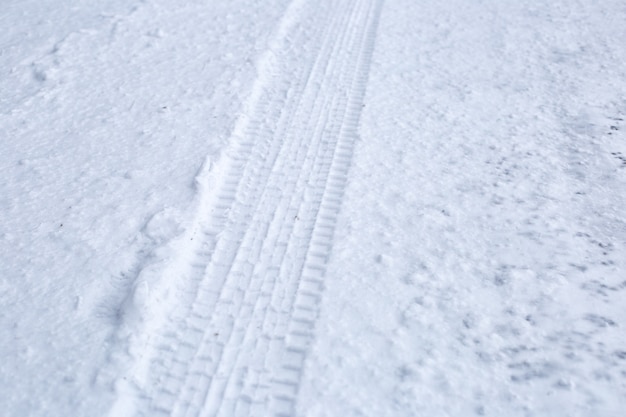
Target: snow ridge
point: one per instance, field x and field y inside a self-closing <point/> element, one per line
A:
<point x="225" y="328"/>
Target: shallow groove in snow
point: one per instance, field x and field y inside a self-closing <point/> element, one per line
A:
<point x="235" y="330"/>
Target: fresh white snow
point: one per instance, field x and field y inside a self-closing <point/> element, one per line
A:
<point x="297" y="208"/>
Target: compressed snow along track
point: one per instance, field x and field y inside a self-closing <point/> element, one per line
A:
<point x="232" y="336"/>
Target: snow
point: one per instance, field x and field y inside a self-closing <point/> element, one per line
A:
<point x="380" y="208"/>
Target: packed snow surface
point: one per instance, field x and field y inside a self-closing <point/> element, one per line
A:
<point x="313" y="208"/>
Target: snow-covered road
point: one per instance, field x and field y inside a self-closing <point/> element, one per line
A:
<point x="297" y="208"/>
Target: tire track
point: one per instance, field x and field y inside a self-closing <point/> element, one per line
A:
<point x="244" y="312"/>
<point x="328" y="108"/>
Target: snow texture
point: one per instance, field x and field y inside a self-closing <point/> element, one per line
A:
<point x="297" y="208"/>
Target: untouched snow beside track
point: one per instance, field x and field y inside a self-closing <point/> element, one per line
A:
<point x="107" y="117"/>
<point x="297" y="208"/>
<point x="480" y="264"/>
